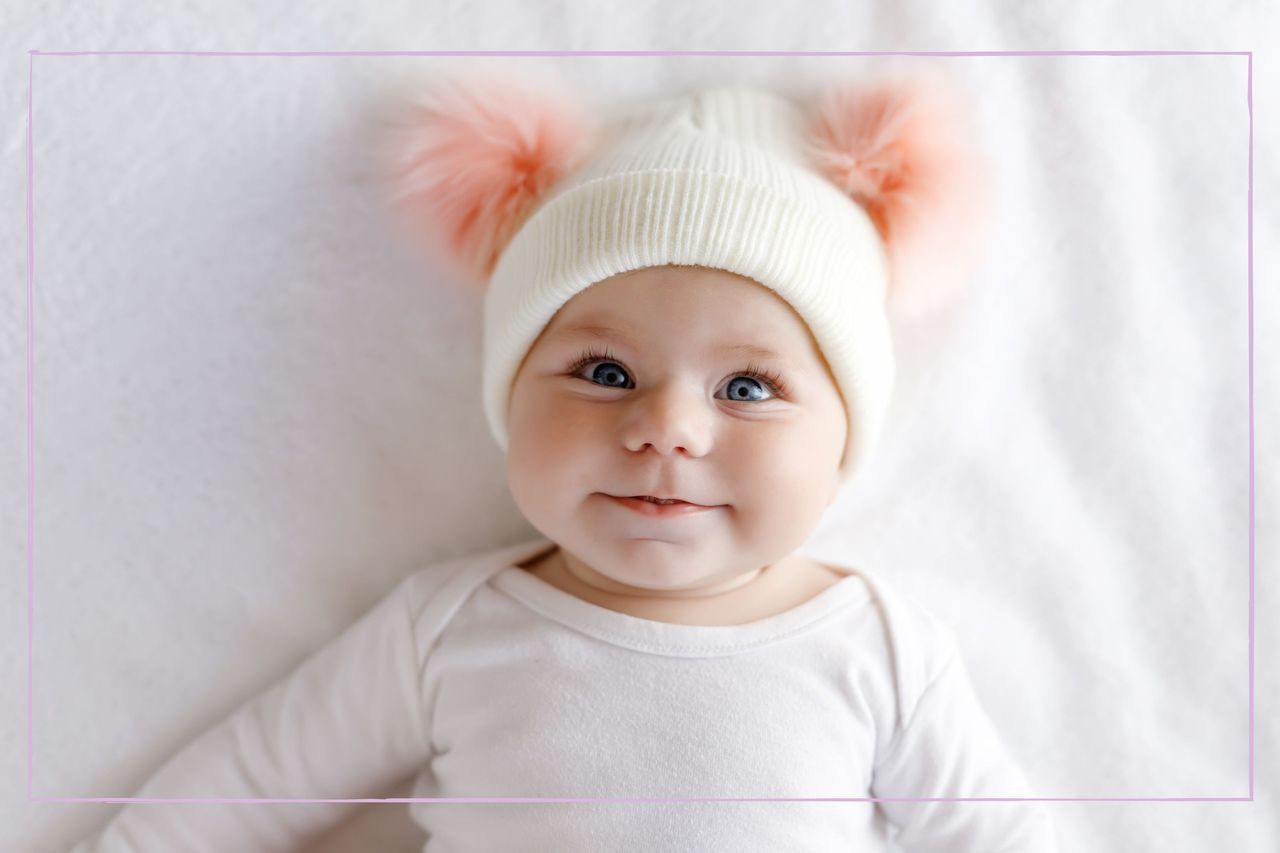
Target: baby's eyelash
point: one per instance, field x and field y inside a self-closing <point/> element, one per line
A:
<point x="590" y="355"/>
<point x="768" y="377"/>
<point x="755" y="371"/>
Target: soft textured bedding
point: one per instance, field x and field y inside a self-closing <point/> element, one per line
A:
<point x="256" y="402"/>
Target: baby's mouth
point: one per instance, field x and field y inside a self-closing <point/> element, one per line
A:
<point x="657" y="501"/>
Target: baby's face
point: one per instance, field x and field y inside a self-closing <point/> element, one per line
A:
<point x="671" y="410"/>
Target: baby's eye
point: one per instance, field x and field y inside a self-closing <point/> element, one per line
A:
<point x="742" y="392"/>
<point x="739" y="388"/>
<point x="608" y="372"/>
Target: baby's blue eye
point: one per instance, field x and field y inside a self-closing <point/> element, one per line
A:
<point x="608" y="372"/>
<point x="611" y="373"/>
<point x="742" y="395"/>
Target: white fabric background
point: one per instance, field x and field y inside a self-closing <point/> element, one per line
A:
<point x="257" y="404"/>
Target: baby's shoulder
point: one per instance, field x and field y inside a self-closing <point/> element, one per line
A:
<point x="450" y="577"/>
<point x="435" y="591"/>
<point x="920" y="643"/>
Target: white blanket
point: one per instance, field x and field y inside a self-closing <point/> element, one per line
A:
<point x="257" y="403"/>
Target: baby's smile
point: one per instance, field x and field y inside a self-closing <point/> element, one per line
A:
<point x="655" y="509"/>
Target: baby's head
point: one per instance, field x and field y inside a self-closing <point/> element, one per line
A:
<point x="644" y="384"/>
<point x="688" y="226"/>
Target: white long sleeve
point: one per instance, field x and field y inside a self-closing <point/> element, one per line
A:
<point x="949" y="748"/>
<point x="317" y="734"/>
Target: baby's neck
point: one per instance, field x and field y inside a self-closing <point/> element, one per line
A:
<point x="778" y="588"/>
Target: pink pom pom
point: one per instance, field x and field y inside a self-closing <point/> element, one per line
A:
<point x="473" y="158"/>
<point x="901" y="148"/>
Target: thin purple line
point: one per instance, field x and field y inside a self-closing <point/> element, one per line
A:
<point x="31" y="456"/>
<point x="31" y="413"/>
<point x="1249" y="102"/>
<point x="645" y="53"/>
<point x="672" y="800"/>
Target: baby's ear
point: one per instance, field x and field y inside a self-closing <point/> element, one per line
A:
<point x="903" y="148"/>
<point x="471" y="156"/>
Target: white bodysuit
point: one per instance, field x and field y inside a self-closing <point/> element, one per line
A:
<point x="487" y="681"/>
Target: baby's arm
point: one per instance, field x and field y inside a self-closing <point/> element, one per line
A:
<point x="346" y="723"/>
<point x="949" y="748"/>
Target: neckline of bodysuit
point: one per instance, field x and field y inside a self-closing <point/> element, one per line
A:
<point x="667" y="638"/>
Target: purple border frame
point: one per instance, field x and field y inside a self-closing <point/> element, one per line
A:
<point x="32" y="54"/>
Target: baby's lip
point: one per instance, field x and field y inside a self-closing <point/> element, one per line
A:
<point x="662" y="498"/>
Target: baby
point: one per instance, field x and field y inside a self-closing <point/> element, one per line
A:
<point x="635" y="392"/>
<point x="686" y="354"/>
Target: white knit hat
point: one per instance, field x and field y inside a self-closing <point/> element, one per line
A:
<point x="532" y="197"/>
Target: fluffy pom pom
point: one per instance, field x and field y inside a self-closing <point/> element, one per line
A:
<point x="901" y="147"/>
<point x="473" y="156"/>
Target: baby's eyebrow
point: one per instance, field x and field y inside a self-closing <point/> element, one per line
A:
<point x="598" y="330"/>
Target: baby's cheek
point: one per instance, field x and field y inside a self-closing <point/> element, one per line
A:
<point x="793" y="476"/>
<point x="533" y="419"/>
<point x="547" y="446"/>
<point x="811" y="448"/>
<point x="776" y="452"/>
